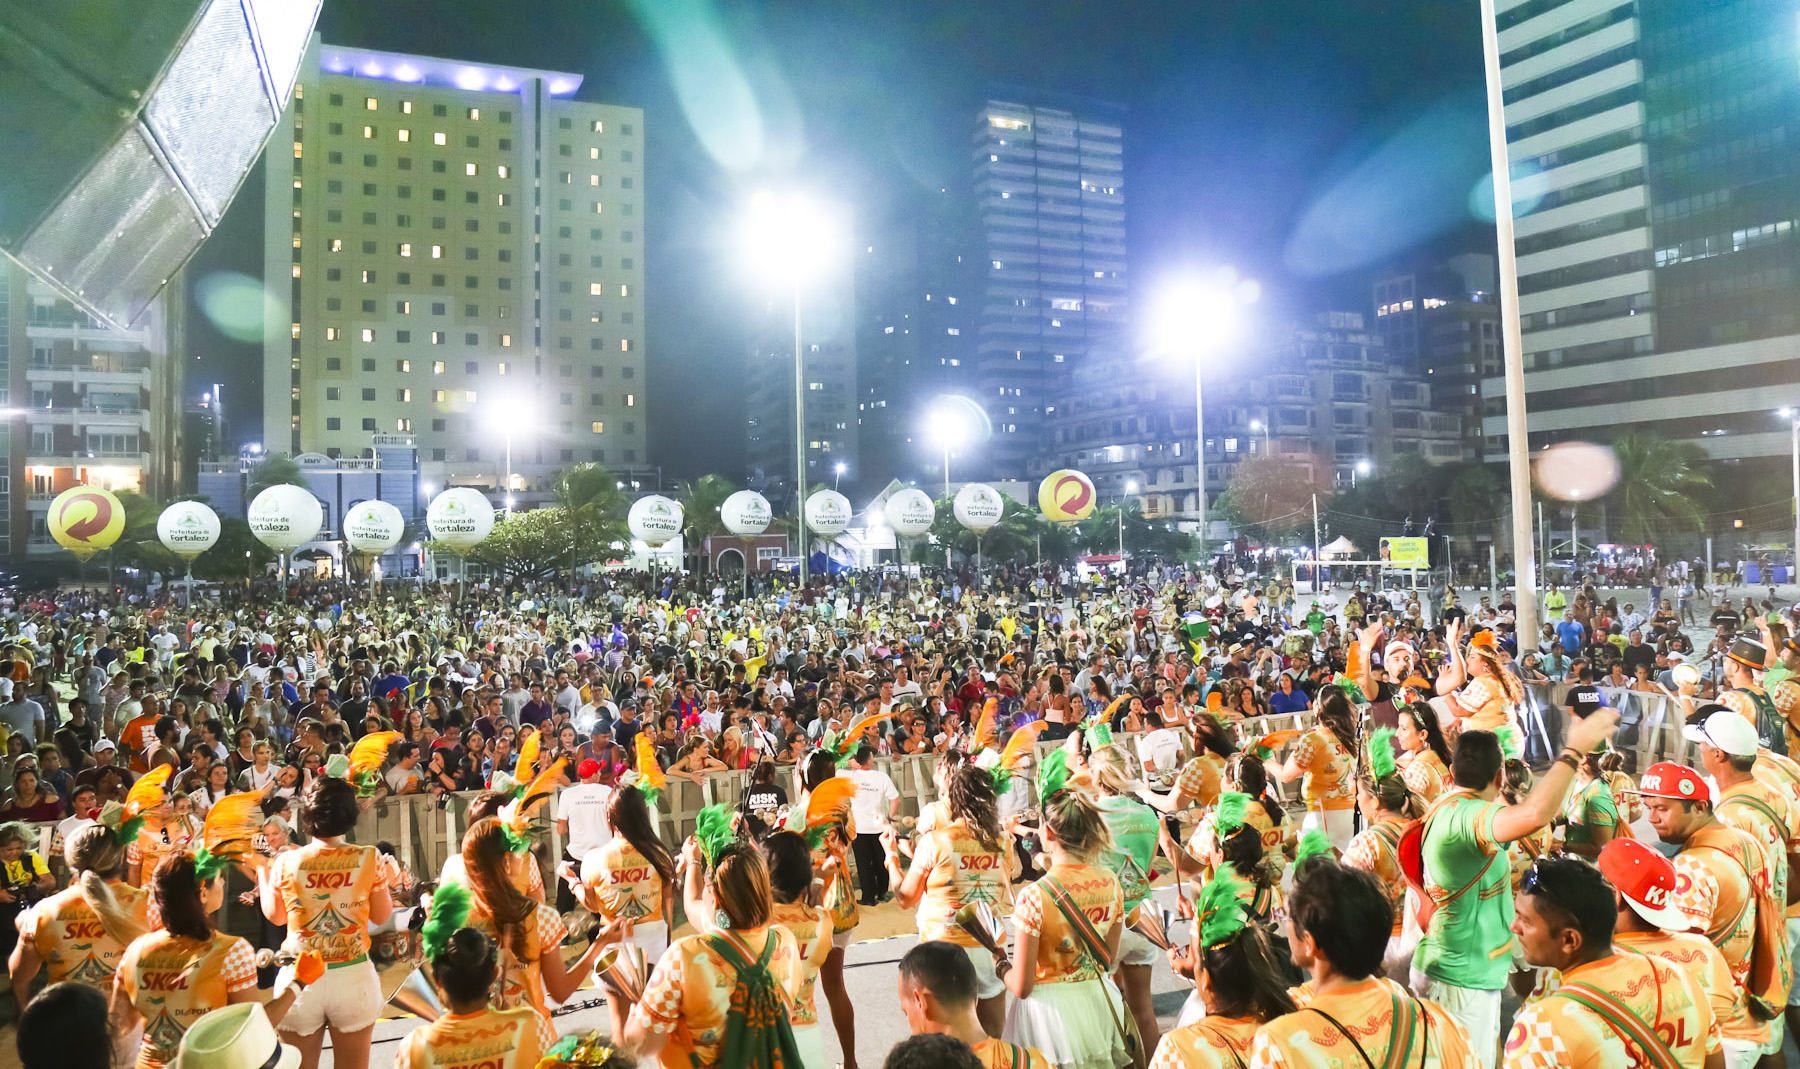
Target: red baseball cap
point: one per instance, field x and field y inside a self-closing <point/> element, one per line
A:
<point x="1646" y="879"/>
<point x="1666" y="779"/>
<point x="587" y="768"/>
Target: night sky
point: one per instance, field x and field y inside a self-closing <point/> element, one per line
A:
<point x="1303" y="142"/>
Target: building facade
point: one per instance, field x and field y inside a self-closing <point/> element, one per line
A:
<point x="1657" y="188"/>
<point x="84" y="404"/>
<point x="1050" y="189"/>
<point x="1328" y="396"/>
<point x="1443" y="320"/>
<point x="464" y="246"/>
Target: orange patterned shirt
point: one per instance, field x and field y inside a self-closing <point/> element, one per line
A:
<point x="1717" y="895"/>
<point x="1209" y="1043"/>
<point x="72" y="942"/>
<point x="1699" y="963"/>
<point x="1199" y="778"/>
<point x="326" y="890"/>
<point x="958" y="871"/>
<point x="1062" y="957"/>
<point x="999" y="1054"/>
<point x="1328" y="767"/>
<point x="1306" y="1040"/>
<point x="811" y="928"/>
<point x="174" y="981"/>
<point x="689" y="993"/>
<point x="490" y="1039"/>
<point x="1557" y="1031"/>
<point x="1424" y="773"/>
<point x="1376" y="850"/>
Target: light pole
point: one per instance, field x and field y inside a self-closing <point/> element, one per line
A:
<point x="510" y="416"/>
<point x="1793" y="419"/>
<point x="1199" y="316"/>
<point x="944" y="426"/>
<point x="1131" y="488"/>
<point x="794" y="239"/>
<point x="1361" y="468"/>
<point x="1259" y="425"/>
<point x="838" y="471"/>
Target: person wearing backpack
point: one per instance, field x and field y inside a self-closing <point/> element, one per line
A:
<point x="1612" y="1005"/>
<point x="1066" y="940"/>
<point x="719" y="998"/>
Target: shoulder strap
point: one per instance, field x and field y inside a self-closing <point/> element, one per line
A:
<point x="1749" y="898"/>
<point x="1475" y="880"/>
<point x="1225" y="1042"/>
<point x="1085" y="932"/>
<point x="1757" y="804"/>
<point x="1622" y="1020"/>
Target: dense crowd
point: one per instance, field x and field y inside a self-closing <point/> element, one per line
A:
<point x="1101" y="749"/>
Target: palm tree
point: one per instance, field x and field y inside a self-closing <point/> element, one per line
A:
<point x="274" y="469"/>
<point x="700" y="519"/>
<point x="593" y="507"/>
<point x="1659" y="481"/>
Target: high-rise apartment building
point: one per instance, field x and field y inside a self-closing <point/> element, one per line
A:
<point x="464" y="245"/>
<point x="1443" y="321"/>
<point x="919" y="280"/>
<point x="1050" y="186"/>
<point x="828" y="340"/>
<point x="1657" y="186"/>
<point x="85" y="404"/>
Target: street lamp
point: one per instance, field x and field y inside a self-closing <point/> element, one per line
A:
<point x="1198" y="316"/>
<point x="1361" y="468"/>
<point x="837" y="470"/>
<point x="1131" y="488"/>
<point x="1793" y="419"/>
<point x="507" y="416"/>
<point x="794" y="239"/>
<point x="1259" y="425"/>
<point x="944" y="425"/>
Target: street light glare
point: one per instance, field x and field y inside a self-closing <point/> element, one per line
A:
<point x="791" y="236"/>
<point x="1198" y="313"/>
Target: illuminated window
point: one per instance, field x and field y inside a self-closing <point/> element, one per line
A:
<point x="598" y="426"/>
<point x="296" y="270"/>
<point x="440" y="396"/>
<point x="403" y="425"/>
<point x="593" y="153"/>
<point x="502" y="171"/>
<point x="437" y="337"/>
<point x="624" y="345"/>
<point x="631" y="400"/>
<point x="474" y="114"/>
<point x="296" y="241"/>
<point x="437" y="252"/>
<point x="469" y="170"/>
<point x="595" y="289"/>
<point x="503" y="200"/>
<point x="404" y="135"/>
<point x="368" y="276"/>
<point x="406" y="248"/>
<point x="404" y="366"/>
<point x="437" y="368"/>
<point x="368" y="334"/>
<point x="469" y="396"/>
<point x="503" y="364"/>
<point x="337" y="244"/>
<point x="624" y="291"/>
<point x="599" y="209"/>
<point x="296" y="156"/>
<point x="331" y="334"/>
<point x="439" y="138"/>
<point x="406" y="107"/>
<point x="593" y="179"/>
<point x="599" y="127"/>
<point x="506" y="341"/>
<point x="368" y="132"/>
<point x="403" y="394"/>
<point x="369" y="103"/>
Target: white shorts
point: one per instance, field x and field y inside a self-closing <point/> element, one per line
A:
<point x="346" y="999"/>
<point x="987" y="982"/>
<point x="1479" y="1012"/>
<point x="1134" y="949"/>
<point x="843" y="939"/>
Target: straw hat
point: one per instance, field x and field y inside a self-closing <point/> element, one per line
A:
<point x="235" y="1037"/>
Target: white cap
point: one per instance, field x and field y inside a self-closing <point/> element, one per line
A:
<point x="1724" y="730"/>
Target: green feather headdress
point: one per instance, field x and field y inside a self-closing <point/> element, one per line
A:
<point x="449" y="911"/>
<point x="1312" y="844"/>
<point x="1381" y="754"/>
<point x="1099" y="735"/>
<point x="1220" y="909"/>
<point x="1053" y="773"/>
<point x="713" y="828"/>
<point x="1350" y="688"/>
<point x="1234" y="809"/>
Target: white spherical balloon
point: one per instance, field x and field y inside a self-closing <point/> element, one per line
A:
<point x="188" y="529"/>
<point x="460" y="517"/>
<point x="978" y="507"/>
<point x="746" y="513"/>
<point x="284" y="517"/>
<point x="828" y="513"/>
<point x="1576" y="471"/>
<point x="910" y="513"/>
<point x="373" y="527"/>
<point x="654" y="519"/>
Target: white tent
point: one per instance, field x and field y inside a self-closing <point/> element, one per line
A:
<point x="1338" y="547"/>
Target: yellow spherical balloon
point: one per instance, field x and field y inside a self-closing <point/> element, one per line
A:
<point x="85" y="520"/>
<point x="1066" y="496"/>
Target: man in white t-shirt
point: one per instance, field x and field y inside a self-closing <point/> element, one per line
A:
<point x="581" y="821"/>
<point x="405" y="777"/>
<point x="1160" y="750"/>
<point x="874" y="806"/>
